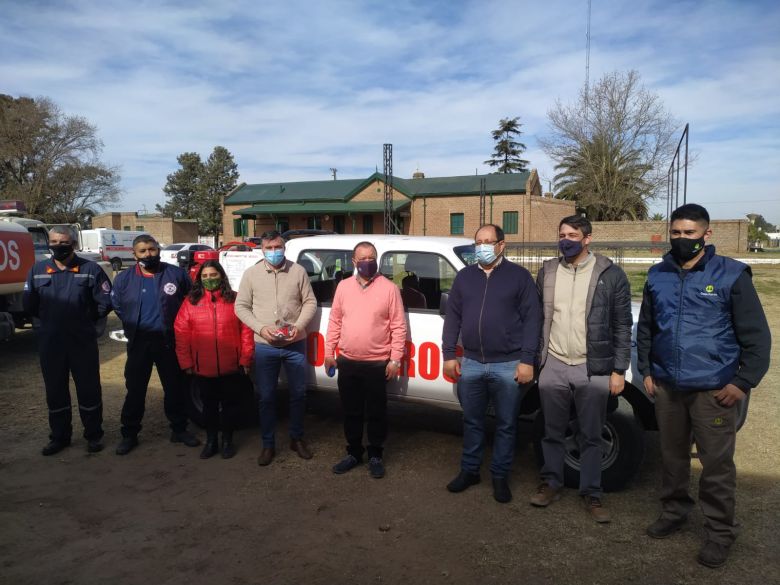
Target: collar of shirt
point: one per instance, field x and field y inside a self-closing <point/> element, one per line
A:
<point x="588" y="258"/>
<point x="492" y="268"/>
<point x="368" y="283"/>
<point x="71" y="266"/>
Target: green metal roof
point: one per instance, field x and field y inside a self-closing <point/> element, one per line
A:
<point x="319" y="207"/>
<point x="344" y="189"/>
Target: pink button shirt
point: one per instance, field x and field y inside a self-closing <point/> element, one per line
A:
<point x="367" y="324"/>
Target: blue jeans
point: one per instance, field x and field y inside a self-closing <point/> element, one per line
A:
<point x="478" y="385"/>
<point x="268" y="362"/>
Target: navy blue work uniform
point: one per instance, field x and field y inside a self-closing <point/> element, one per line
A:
<point x="70" y="304"/>
<point x="147" y="306"/>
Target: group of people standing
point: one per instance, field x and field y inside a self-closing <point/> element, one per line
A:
<point x="703" y="343"/>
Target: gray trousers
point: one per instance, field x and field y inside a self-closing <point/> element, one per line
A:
<point x="559" y="385"/>
<point x="683" y="416"/>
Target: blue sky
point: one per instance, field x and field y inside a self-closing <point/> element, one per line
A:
<point x="293" y="88"/>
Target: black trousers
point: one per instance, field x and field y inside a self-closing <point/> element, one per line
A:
<point x="222" y="391"/>
<point x="147" y="351"/>
<point x="363" y="392"/>
<point x="61" y="357"/>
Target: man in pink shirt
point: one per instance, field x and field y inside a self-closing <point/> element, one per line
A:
<point x="368" y="326"/>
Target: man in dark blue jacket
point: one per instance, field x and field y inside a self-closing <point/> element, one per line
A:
<point x="494" y="307"/>
<point x="703" y="342"/>
<point x="147" y="298"/>
<point x="70" y="296"/>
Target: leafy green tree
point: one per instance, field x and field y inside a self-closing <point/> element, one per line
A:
<point x="507" y="153"/>
<point x="52" y="161"/>
<point x="612" y="148"/>
<point x="658" y="217"/>
<point x="182" y="187"/>
<point x="220" y="177"/>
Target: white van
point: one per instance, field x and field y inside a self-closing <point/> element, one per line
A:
<point x="115" y="246"/>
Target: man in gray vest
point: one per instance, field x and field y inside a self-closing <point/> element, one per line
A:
<point x="586" y="349"/>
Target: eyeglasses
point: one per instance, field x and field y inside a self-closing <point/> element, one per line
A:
<point x="488" y="243"/>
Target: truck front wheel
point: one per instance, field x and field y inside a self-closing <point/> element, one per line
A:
<point x="623" y="448"/>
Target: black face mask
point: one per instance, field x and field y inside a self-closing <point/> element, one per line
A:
<point x="685" y="249"/>
<point x="150" y="262"/>
<point x="61" y="251"/>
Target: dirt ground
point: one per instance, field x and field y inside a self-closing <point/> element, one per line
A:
<point x="163" y="516"/>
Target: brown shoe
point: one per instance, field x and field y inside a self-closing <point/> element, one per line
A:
<point x="596" y="509"/>
<point x="301" y="448"/>
<point x="266" y="456"/>
<point x="545" y="495"/>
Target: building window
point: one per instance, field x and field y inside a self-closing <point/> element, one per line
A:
<point x="456" y="224"/>
<point x="368" y="224"/>
<point x="510" y="222"/>
<point x="282" y="224"/>
<point x="314" y="222"/>
<point x="240" y="227"/>
<point x="126" y="228"/>
<point x="338" y="224"/>
<point x="139" y="228"/>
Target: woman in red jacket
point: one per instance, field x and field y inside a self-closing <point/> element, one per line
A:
<point x="213" y="344"/>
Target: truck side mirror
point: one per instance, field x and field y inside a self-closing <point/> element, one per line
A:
<point x="443" y="303"/>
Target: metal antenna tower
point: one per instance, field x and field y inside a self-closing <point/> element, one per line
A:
<point x="333" y="172"/>
<point x="390" y="227"/>
<point x="587" y="61"/>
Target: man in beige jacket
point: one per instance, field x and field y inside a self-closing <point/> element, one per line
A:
<point x="275" y="299"/>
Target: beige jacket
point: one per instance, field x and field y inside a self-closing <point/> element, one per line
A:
<point x="569" y="330"/>
<point x="268" y="297"/>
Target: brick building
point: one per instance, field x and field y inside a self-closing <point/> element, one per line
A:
<point x="165" y="230"/>
<point x="439" y="206"/>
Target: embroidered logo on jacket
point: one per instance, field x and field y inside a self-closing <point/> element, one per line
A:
<point x="169" y="288"/>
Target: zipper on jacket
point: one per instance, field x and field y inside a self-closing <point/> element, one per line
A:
<point x="216" y="343"/>
<point x="677" y="332"/>
<point x="571" y="315"/>
<point x="481" y="309"/>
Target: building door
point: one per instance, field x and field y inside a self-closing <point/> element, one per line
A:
<point x="338" y="224"/>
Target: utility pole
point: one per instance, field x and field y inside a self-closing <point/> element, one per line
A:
<point x="482" y="200"/>
<point x="333" y="172"/>
<point x="389" y="224"/>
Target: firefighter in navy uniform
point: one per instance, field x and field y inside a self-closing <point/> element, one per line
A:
<point x="71" y="297"/>
<point x="147" y="298"/>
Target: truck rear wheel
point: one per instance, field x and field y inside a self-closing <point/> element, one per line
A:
<point x="623" y="450"/>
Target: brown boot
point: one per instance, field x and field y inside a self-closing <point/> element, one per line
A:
<point x="545" y="495"/>
<point x="301" y="448"/>
<point x="266" y="456"/>
<point x="596" y="509"/>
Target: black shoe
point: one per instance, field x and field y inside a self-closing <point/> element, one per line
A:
<point x="185" y="437"/>
<point x="54" y="447"/>
<point x="228" y="449"/>
<point x="464" y="481"/>
<point x="376" y="468"/>
<point x="126" y="445"/>
<point x="713" y="554"/>
<point x="211" y="447"/>
<point x="349" y="462"/>
<point x="663" y="527"/>
<point x="501" y="491"/>
<point x="95" y="446"/>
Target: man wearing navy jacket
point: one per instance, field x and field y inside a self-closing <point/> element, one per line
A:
<point x="494" y="307"/>
<point x="147" y="298"/>
<point x="702" y="343"/>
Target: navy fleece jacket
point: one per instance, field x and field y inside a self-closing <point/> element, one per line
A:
<point x="498" y="316"/>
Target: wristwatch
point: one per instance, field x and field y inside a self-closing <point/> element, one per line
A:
<point x="396" y="363"/>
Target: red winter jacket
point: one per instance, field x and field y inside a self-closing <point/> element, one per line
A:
<point x="210" y="339"/>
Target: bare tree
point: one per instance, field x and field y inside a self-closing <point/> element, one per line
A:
<point x="52" y="161"/>
<point x="612" y="148"/>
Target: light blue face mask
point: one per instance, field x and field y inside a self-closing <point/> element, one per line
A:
<point x="486" y="253"/>
<point x="274" y="257"/>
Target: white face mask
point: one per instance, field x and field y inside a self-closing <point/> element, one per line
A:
<point x="486" y="253"/>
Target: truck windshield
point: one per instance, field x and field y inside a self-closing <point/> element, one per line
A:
<point x="466" y="253"/>
<point x="40" y="240"/>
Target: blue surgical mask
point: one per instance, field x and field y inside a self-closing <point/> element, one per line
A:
<point x="274" y="257"/>
<point x="486" y="253"/>
<point x="570" y="248"/>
